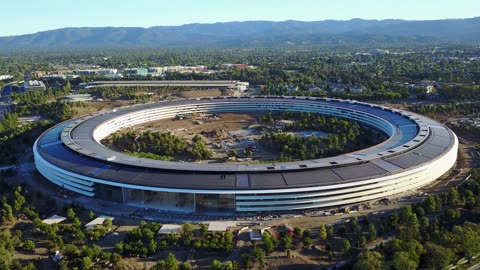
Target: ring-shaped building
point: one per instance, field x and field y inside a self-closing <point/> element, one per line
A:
<point x="418" y="151"/>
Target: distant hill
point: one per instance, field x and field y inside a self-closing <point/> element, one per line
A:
<point x="257" y="34"/>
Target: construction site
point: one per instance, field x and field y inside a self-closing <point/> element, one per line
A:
<point x="232" y="137"/>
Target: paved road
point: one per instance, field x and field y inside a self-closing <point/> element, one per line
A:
<point x="3" y="107"/>
<point x="25" y="168"/>
<point x="4" y="168"/>
<point x="475" y="267"/>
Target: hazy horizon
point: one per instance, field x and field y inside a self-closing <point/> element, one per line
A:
<point x="38" y="16"/>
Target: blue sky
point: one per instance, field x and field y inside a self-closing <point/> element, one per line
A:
<point x="30" y="16"/>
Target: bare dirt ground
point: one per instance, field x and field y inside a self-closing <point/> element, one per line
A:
<point x="93" y="107"/>
<point x="222" y="134"/>
<point x="296" y="261"/>
<point x="41" y="252"/>
<point x="200" y="93"/>
<point x="149" y="262"/>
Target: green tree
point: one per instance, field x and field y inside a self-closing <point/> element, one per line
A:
<point x="268" y="242"/>
<point x="67" y="87"/>
<point x="414" y="249"/>
<point x="171" y="262"/>
<point x="216" y="265"/>
<point x="409" y="219"/>
<point x="308" y="242"/>
<point x="322" y="232"/>
<point x="186" y="266"/>
<point x="346" y="246"/>
<point x="286" y="241"/>
<point x="160" y="265"/>
<point x="152" y="246"/>
<point x="71" y="214"/>
<point x="203" y="230"/>
<point x="229" y="265"/>
<point x="7" y="258"/>
<point x="116" y="259"/>
<point x="91" y="215"/>
<point x="430" y="204"/>
<point x="453" y="197"/>
<point x="372" y="232"/>
<point x="7" y="213"/>
<point x="424" y="222"/>
<point x="370" y="260"/>
<point x="107" y="223"/>
<point x="76" y="223"/>
<point x="363" y="241"/>
<point x="306" y="233"/>
<point x="187" y="233"/>
<point x="29" y="245"/>
<point x="233" y="153"/>
<point x="419" y="211"/>
<point x="172" y="238"/>
<point x="246" y="260"/>
<point x="19" y="200"/>
<point x="258" y="255"/>
<point x="437" y="257"/>
<point x="297" y="231"/>
<point x="402" y="261"/>
<point x="330" y="231"/>
<point x="354" y="225"/>
<point x="467" y="239"/>
<point x="86" y="263"/>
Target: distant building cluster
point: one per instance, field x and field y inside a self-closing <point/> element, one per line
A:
<point x="238" y="66"/>
<point x="52" y="75"/>
<point x="179" y="69"/>
<point x="153" y="71"/>
<point x="91" y="72"/>
<point x="201" y="85"/>
<point x="108" y="73"/>
<point x="379" y="52"/>
<point x="113" y="74"/>
<point x="22" y="87"/>
<point x="32" y="85"/>
<point x="340" y="87"/>
<point x="334" y="88"/>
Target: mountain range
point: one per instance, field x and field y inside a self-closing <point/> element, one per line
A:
<point x="257" y="34"/>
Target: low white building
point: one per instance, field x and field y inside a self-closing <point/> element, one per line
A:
<point x="170" y="228"/>
<point x="5" y="77"/>
<point x="113" y="76"/>
<point x="241" y="86"/>
<point x="34" y="85"/>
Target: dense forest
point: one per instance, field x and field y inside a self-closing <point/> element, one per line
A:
<point x="162" y="146"/>
<point x="453" y="71"/>
<point x="431" y="234"/>
<point x="16" y="137"/>
<point x="343" y="136"/>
